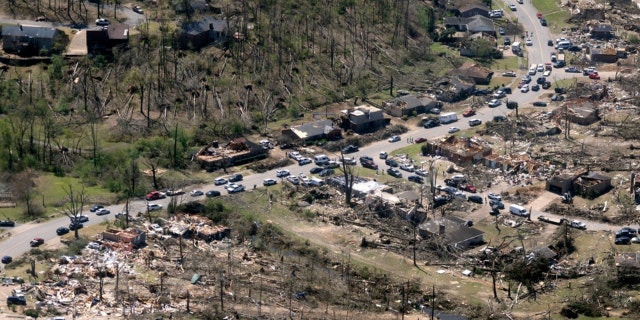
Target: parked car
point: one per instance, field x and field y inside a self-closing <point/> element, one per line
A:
<point x="513" y="7"/>
<point x="430" y="124"/>
<point x="526" y="78"/>
<point x="394" y="172"/>
<point x="235" y="188"/>
<point x="572" y="70"/>
<point x="529" y="42"/>
<point x="541" y="80"/>
<point x="80" y="218"/>
<point x="316" y="170"/>
<point x="435" y="111"/>
<point x="326" y="172"/>
<point x="475" y="122"/>
<point x="370" y="165"/>
<point x="350" y="149"/>
<point x="594" y="76"/>
<point x="496" y="203"/>
<point x="137" y="9"/>
<point x="499" y="118"/>
<point x="622" y="240"/>
<point x="494" y="103"/>
<point x="212" y="193"/>
<point x="235" y="177"/>
<point x="391" y="162"/>
<point x="469" y="188"/>
<point x="407" y="167"/>
<point x="269" y="182"/>
<point x="196" y="193"/>
<point x="421" y="172"/>
<point x="7" y="223"/>
<point x="494" y="196"/>
<point x="469" y="113"/>
<point x="220" y="181"/>
<point x="154" y="207"/>
<point x="383" y="154"/>
<point x="475" y="199"/>
<point x="304" y="161"/>
<point x="550" y="43"/>
<point x="293" y="180"/>
<point x="96" y="207"/>
<point x="282" y="173"/>
<point x="394" y="139"/>
<point x="557" y="97"/>
<point x="102" y="212"/>
<point x="62" y="230"/>
<point x="539" y="104"/>
<point x="525" y="88"/>
<point x="420" y="140"/>
<point x="173" y="193"/>
<point x="501" y="31"/>
<point x="102" y="22"/>
<point x="75" y="226"/>
<point x="546" y="85"/>
<point x="36" y="242"/>
<point x="416" y="179"/>
<point x="535" y="87"/>
<point x="509" y="74"/>
<point x="453" y="129"/>
<point x="155" y="195"/>
<point x="512" y="105"/>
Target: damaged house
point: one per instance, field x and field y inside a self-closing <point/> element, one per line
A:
<point x="453" y="88"/>
<point x="458" y="150"/>
<point x="364" y="119"/>
<point x="583" y="182"/>
<point x="580" y="111"/>
<point x="237" y="151"/>
<point x="132" y="237"/>
<point x="475" y="72"/>
<point x="317" y="130"/>
<point x="455" y="232"/>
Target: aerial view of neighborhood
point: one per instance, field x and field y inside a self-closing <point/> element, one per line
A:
<point x="329" y="159"/>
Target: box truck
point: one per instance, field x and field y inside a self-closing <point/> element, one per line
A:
<point x="448" y="117"/>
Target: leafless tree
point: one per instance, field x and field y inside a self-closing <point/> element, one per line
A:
<point x="24" y="190"/>
<point x="74" y="203"/>
<point x="349" y="179"/>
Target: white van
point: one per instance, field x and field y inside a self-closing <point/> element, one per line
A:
<point x="533" y="69"/>
<point x="518" y="210"/>
<point x="321" y="159"/>
<point x="564" y="45"/>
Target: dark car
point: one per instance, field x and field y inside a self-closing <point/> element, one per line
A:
<point x="506" y="90"/>
<point x="6" y="259"/>
<point x="7" y="223"/>
<point x="494" y="211"/>
<point x="391" y="162"/>
<point x="622" y="240"/>
<point x="416" y="179"/>
<point x="326" y="172"/>
<point x="574" y="49"/>
<point x="315" y="170"/>
<point x="550" y="43"/>
<point x="350" y="149"/>
<point x="541" y="80"/>
<point x="394" y="172"/>
<point x="235" y="178"/>
<point x="36" y="242"/>
<point x="557" y="97"/>
<point x="22" y="301"/>
<point x="76" y="226"/>
<point x="539" y="104"/>
<point x="499" y="118"/>
<point x="430" y="124"/>
<point x="546" y="85"/>
<point x="475" y="198"/>
<point x="535" y="87"/>
<point x="365" y="159"/>
<point x="370" y="165"/>
<point x="496" y="203"/>
<point x="96" y="207"/>
<point x="451" y="183"/>
<point x="512" y="105"/>
<point x="212" y="193"/>
<point x="62" y="230"/>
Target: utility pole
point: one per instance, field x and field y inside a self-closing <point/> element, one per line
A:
<point x="433" y="303"/>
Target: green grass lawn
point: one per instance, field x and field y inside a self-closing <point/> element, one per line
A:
<point x="506" y="63"/>
<point x="556" y="17"/>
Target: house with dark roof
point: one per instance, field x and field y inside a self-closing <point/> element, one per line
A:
<point x="471" y="25"/>
<point x="28" y="40"/>
<point x="363" y="119"/>
<point x="603" y="31"/>
<point x="103" y="39"/>
<point x="457" y="233"/>
<point x="474" y="9"/>
<point x="410" y="105"/>
<point x="198" y="34"/>
<point x="606" y="55"/>
<point x="317" y="130"/>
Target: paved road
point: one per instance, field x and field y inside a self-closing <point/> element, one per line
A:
<point x="125" y="13"/>
<point x="18" y="243"/>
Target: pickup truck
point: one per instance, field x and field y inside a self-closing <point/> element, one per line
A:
<point x="155" y="195"/>
<point x="577" y="224"/>
<point x="36" y="242"/>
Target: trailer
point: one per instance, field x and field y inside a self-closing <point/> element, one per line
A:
<point x="560" y="57"/>
<point x="448" y="117"/>
<point x="551" y="220"/>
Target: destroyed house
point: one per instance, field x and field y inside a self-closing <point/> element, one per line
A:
<point x="471" y="25"/>
<point x="516" y="163"/>
<point x="28" y="40"/>
<point x="236" y="152"/>
<point x="317" y="130"/>
<point x="585" y="183"/>
<point x="193" y="226"/>
<point x="410" y="105"/>
<point x="475" y="72"/>
<point x="458" y="150"/>
<point x="603" y="31"/>
<point x="132" y="237"/>
<point x="456" y="232"/>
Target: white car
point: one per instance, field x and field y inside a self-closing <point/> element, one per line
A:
<point x="383" y="154"/>
<point x="529" y="42"/>
<point x="494" y="102"/>
<point x="154" y="207"/>
<point x="421" y="172"/>
<point x="540" y="67"/>
<point x="102" y="22"/>
<point x="494" y="196"/>
<point x="525" y="88"/>
<point x="269" y="182"/>
<point x="394" y="139"/>
<point x="220" y="181"/>
<point x="196" y="193"/>
<point x="156" y="227"/>
<point x="282" y="173"/>
<point x="513" y="7"/>
<point x="294" y="180"/>
<point x="475" y="122"/>
<point x="453" y="129"/>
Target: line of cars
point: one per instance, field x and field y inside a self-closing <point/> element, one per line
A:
<point x="626" y="235"/>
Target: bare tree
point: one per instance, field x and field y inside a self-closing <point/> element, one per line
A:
<point x="349" y="179"/>
<point x="73" y="206"/>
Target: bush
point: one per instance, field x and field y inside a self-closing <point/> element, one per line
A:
<point x="33" y="313"/>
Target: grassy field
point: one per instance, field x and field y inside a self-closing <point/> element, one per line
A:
<point x="556" y="17"/>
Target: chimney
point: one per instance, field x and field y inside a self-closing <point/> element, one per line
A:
<point x="210" y="26"/>
<point x="440" y="229"/>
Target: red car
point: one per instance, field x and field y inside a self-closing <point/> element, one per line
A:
<point x="468" y="113"/>
<point x="155" y="195"/>
<point x="594" y="76"/>
<point x="421" y="140"/>
<point x="36" y="242"/>
<point x="520" y="84"/>
<point x="470" y="188"/>
<point x="539" y="15"/>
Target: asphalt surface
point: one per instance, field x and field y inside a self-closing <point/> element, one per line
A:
<point x="124" y="13"/>
<point x="18" y="242"/>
